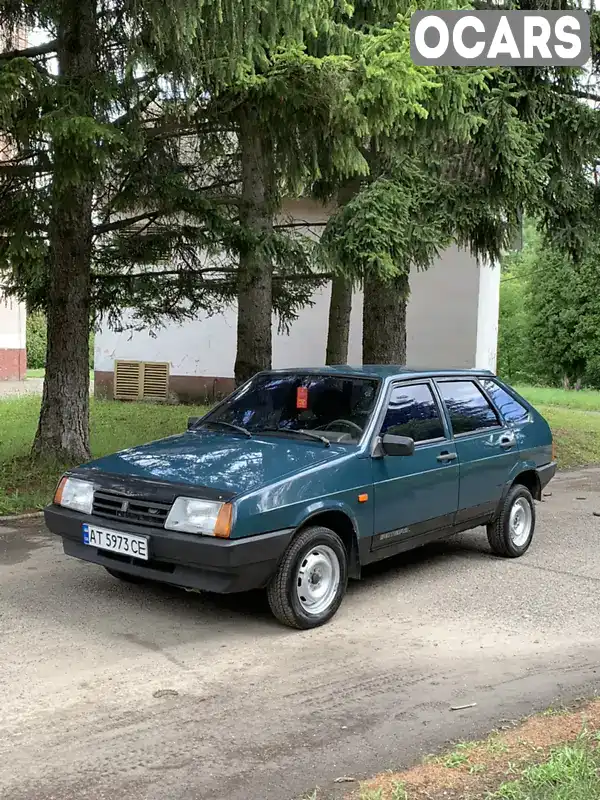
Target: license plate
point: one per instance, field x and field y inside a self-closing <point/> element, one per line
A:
<point x="127" y="544"/>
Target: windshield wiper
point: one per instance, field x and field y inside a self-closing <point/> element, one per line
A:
<point x="305" y="434"/>
<point x="230" y="425"/>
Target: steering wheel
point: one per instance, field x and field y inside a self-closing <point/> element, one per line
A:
<point x="346" y="422"/>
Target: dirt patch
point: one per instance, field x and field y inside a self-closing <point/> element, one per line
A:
<point x="472" y="769"/>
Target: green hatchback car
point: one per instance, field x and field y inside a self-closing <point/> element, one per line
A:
<point x="302" y="477"/>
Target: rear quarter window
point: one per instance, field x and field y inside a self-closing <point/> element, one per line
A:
<point x="511" y="409"/>
<point x="468" y="408"/>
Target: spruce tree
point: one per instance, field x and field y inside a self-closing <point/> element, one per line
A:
<point x="480" y="152"/>
<point x="94" y="185"/>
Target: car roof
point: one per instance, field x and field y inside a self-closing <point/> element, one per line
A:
<point x="382" y="371"/>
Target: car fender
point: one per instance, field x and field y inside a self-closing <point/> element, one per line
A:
<point x="314" y="510"/>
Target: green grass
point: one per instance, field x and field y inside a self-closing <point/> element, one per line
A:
<point x="575" y="421"/>
<point x="571" y="773"/>
<point x="114" y="426"/>
<point x="40" y="373"/>
<point x="398" y="792"/>
<point x="585" y="400"/>
<point x="459" y="756"/>
<point x="576" y="435"/>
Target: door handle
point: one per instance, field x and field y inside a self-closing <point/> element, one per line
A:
<point x="507" y="441"/>
<point x="446" y="456"/>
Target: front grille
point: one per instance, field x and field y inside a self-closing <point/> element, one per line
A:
<point x="143" y="512"/>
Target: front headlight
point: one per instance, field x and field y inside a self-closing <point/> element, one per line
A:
<point x="75" y="494"/>
<point x="205" y="517"/>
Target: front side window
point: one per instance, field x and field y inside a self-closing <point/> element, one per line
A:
<point x="337" y="408"/>
<point x="511" y="409"/>
<point x="467" y="406"/>
<point x="413" y="412"/>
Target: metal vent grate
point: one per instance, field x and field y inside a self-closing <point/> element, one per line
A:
<point x="141" y="380"/>
<point x="155" y="383"/>
<point x="128" y="380"/>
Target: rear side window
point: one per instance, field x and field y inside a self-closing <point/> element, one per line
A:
<point x="467" y="406"/>
<point x="511" y="409"/>
<point x="413" y="411"/>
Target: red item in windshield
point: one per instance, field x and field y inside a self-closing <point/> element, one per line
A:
<point x="301" y="397"/>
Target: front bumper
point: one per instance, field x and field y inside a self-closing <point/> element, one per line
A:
<point x="192" y="562"/>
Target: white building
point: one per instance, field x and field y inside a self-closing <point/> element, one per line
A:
<point x="452" y="321"/>
<point x="13" y="356"/>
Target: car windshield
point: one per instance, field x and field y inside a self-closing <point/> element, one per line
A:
<point x="337" y="408"/>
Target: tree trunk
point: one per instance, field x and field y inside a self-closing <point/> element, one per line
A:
<point x="63" y="430"/>
<point x="384" y="321"/>
<point x="255" y="274"/>
<point x="340" y="309"/>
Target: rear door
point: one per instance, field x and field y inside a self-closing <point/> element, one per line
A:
<point x="486" y="446"/>
<point x="416" y="494"/>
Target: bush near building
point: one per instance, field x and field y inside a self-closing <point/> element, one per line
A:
<point x="36" y="341"/>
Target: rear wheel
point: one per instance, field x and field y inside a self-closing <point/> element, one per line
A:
<point x="125" y="576"/>
<point x="311" y="580"/>
<point x="511" y="533"/>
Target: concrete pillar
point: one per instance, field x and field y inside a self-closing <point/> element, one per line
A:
<point x="487" y="315"/>
<point x="13" y="356"/>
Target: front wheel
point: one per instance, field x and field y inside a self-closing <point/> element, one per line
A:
<point x="510" y="534"/>
<point x="311" y="580"/>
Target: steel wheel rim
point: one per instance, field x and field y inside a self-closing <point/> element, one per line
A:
<point x="519" y="522"/>
<point x="318" y="580"/>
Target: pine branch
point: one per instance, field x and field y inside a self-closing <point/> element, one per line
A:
<point x="25" y="170"/>
<point x="192" y="273"/>
<point x="308" y="225"/>
<point x="582" y="94"/>
<point x="31" y="52"/>
<point x="139" y="108"/>
<point x="120" y="224"/>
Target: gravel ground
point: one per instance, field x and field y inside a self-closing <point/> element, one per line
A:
<point x="29" y="386"/>
<point x="109" y="690"/>
<point x="17" y="388"/>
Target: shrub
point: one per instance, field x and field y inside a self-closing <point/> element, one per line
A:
<point x="36" y="341"/>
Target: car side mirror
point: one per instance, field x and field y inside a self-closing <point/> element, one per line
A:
<point x="192" y="422"/>
<point x="397" y="445"/>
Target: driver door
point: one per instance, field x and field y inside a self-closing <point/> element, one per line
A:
<point x="415" y="495"/>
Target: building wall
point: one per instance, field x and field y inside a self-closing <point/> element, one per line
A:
<point x="13" y="356"/>
<point x="451" y="322"/>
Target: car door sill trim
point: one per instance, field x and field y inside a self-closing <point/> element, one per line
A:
<point x="411" y="533"/>
<point x="369" y="556"/>
<point x="484" y="511"/>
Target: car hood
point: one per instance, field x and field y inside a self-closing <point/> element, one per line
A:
<point x="216" y="460"/>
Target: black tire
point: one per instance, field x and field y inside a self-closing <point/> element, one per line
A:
<point x="283" y="591"/>
<point x="500" y="536"/>
<point x="125" y="576"/>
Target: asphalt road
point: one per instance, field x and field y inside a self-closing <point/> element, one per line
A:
<point x="109" y="690"/>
